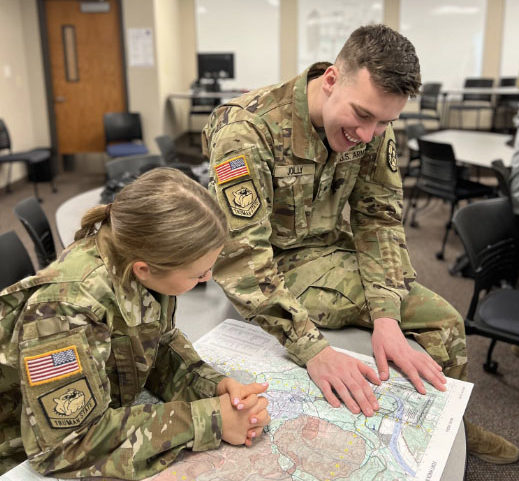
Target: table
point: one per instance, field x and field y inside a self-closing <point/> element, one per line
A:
<point x="68" y="214"/>
<point x="472" y="147"/>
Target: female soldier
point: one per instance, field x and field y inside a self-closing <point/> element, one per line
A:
<point x="83" y="337"/>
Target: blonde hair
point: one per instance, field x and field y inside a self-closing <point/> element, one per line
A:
<point x="163" y="218"/>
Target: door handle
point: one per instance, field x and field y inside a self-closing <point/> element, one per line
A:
<point x="59" y="99"/>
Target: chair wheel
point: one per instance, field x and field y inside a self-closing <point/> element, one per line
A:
<point x="439" y="256"/>
<point x="491" y="367"/>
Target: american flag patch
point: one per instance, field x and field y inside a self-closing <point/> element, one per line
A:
<point x="231" y="169"/>
<point x="52" y="365"/>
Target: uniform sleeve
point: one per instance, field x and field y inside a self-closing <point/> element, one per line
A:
<point x="179" y="373"/>
<point x="376" y="220"/>
<point x="71" y="428"/>
<point x="246" y="269"/>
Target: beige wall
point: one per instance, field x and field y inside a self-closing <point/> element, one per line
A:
<point x="22" y="88"/>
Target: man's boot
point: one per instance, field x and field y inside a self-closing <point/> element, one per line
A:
<point x="489" y="446"/>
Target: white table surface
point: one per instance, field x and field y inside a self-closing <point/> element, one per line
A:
<point x="472" y="147"/>
<point x="482" y="90"/>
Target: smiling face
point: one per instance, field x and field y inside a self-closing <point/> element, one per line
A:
<point x="179" y="280"/>
<point x="353" y="109"/>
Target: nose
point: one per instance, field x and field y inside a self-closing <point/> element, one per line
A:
<point x="366" y="132"/>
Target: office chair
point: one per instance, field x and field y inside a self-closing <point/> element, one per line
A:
<point x="493" y="252"/>
<point x="440" y="177"/>
<point x="123" y="134"/>
<point x="16" y="263"/>
<point x="506" y="107"/>
<point x="132" y="165"/>
<point x="413" y="131"/>
<point x="502" y="174"/>
<point x="38" y="162"/>
<point x="428" y="101"/>
<point x="37" y="225"/>
<point x="477" y="102"/>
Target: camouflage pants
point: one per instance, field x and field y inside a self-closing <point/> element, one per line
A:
<point x="327" y="282"/>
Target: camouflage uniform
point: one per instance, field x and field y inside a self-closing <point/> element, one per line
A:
<point x="76" y="348"/>
<point x="293" y="263"/>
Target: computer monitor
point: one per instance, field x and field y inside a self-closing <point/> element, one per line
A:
<point x="216" y="66"/>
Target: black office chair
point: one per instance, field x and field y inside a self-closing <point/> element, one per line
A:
<point x="413" y="131"/>
<point x="488" y="231"/>
<point x="428" y="102"/>
<point x="440" y="177"/>
<point x="502" y="174"/>
<point x="123" y="134"/>
<point x="132" y="165"/>
<point x="38" y="162"/>
<point x="506" y="108"/>
<point x="35" y="221"/>
<point x="474" y="102"/>
<point x="16" y="263"/>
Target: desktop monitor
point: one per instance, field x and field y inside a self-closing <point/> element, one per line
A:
<point x="216" y="66"/>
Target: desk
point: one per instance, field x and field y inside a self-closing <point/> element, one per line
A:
<point x="472" y="147"/>
<point x="68" y="214"/>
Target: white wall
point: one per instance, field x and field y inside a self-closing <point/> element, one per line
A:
<point x="510" y="58"/>
<point x="250" y="29"/>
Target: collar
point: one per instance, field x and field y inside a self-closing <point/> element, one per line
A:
<point x="136" y="303"/>
<point x="306" y="142"/>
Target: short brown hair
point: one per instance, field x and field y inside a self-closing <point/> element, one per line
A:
<point x="163" y="218"/>
<point x="389" y="57"/>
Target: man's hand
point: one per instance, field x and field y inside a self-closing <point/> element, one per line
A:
<point x="335" y="371"/>
<point x="389" y="344"/>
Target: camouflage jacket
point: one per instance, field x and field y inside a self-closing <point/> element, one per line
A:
<point x="77" y="347"/>
<point x="282" y="189"/>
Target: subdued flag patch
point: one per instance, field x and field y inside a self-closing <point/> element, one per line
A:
<point x="52" y="365"/>
<point x="231" y="169"/>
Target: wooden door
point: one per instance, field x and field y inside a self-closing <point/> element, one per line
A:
<point x="86" y="70"/>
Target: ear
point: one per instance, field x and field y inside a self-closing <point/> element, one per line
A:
<point x="141" y="270"/>
<point x="330" y="78"/>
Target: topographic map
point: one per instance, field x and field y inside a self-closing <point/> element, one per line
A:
<point x="408" y="439"/>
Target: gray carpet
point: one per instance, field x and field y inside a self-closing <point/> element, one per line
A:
<point x="495" y="399"/>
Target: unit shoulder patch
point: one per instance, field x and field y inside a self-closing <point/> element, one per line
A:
<point x="391" y="155"/>
<point x="242" y="199"/>
<point x="52" y="365"/>
<point x="68" y="406"/>
<point x="231" y="169"/>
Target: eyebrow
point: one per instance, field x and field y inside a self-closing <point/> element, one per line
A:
<point x="364" y="111"/>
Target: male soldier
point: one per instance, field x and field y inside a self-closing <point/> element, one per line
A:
<point x="285" y="160"/>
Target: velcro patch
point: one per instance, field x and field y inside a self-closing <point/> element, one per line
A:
<point x="243" y="199"/>
<point x="52" y="365"/>
<point x="231" y="169"/>
<point x="391" y="155"/>
<point x="68" y="406"/>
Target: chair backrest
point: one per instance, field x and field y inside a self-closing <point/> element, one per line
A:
<point x="430" y="95"/>
<point x="438" y="173"/>
<point x="413" y="131"/>
<point x="479" y="82"/>
<point x="488" y="231"/>
<point x="35" y="221"/>
<point x="132" y="165"/>
<point x="122" y="126"/>
<point x="502" y="174"/>
<point x="16" y="263"/>
<point x="5" y="140"/>
<point x="507" y="82"/>
<point x="167" y="148"/>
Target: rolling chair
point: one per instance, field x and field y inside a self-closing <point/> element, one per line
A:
<point x="38" y="161"/>
<point x="440" y="177"/>
<point x="16" y="263"/>
<point x="493" y="252"/>
<point x="123" y="134"/>
<point x="132" y="165"/>
<point x="477" y="102"/>
<point x="428" y="101"/>
<point x="37" y="225"/>
<point x="413" y="131"/>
